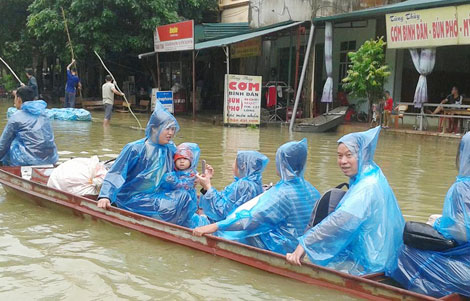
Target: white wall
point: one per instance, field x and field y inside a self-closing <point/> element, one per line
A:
<point x="268" y="12"/>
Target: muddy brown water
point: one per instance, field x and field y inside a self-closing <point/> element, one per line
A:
<point x="51" y="255"/>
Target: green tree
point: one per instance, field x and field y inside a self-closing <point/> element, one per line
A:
<point x="114" y="28"/>
<point x="15" y="43"/>
<point x="367" y="72"/>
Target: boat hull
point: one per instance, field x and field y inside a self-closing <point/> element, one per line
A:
<point x="324" y="123"/>
<point x="363" y="287"/>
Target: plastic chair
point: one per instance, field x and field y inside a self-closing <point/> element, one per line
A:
<point x="401" y="113"/>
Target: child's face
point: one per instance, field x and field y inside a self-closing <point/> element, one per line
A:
<point x="182" y="164"/>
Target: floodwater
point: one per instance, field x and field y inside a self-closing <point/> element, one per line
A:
<point x="53" y="255"/>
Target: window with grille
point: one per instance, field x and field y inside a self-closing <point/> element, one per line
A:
<point x="344" y="61"/>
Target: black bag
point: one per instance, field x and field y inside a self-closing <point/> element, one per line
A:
<point x="424" y="237"/>
<point x="326" y="204"/>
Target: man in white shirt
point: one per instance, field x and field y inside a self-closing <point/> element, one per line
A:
<point x="108" y="91"/>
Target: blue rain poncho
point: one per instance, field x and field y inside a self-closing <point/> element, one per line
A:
<point x="442" y="273"/>
<point x="282" y="213"/>
<point x="178" y="188"/>
<point x="364" y="232"/>
<point x="28" y="138"/>
<point x="176" y="200"/>
<point x="139" y="169"/>
<point x="217" y="205"/>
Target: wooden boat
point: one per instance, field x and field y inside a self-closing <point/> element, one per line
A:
<point x="371" y="287"/>
<point x="323" y="123"/>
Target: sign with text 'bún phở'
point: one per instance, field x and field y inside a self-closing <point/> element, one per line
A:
<point x="423" y="28"/>
<point x="242" y="101"/>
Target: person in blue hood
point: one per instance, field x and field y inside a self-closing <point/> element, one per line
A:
<point x="139" y="169"/>
<point x="247" y="169"/>
<point x="28" y="138"/>
<point x="446" y="272"/>
<point x="275" y="219"/>
<point x="363" y="234"/>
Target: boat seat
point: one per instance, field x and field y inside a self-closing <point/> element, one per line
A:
<point x="326" y="204"/>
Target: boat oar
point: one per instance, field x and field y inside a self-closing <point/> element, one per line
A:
<point x="11" y="70"/>
<point x="117" y="88"/>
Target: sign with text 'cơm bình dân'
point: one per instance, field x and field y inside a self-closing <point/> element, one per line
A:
<point x="423" y="28"/>
<point x="242" y="101"/>
<point x="429" y="27"/>
<point x="174" y="37"/>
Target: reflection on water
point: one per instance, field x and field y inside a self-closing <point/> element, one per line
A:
<point x="54" y="255"/>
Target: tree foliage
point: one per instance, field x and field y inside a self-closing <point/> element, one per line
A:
<point x="107" y="26"/>
<point x="367" y="72"/>
<point x="118" y="28"/>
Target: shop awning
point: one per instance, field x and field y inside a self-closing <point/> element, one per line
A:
<point x="242" y="37"/>
<point x="219" y="34"/>
<point x="392" y="8"/>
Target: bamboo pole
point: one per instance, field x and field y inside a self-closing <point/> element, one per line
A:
<point x="117" y="88"/>
<point x="13" y="72"/>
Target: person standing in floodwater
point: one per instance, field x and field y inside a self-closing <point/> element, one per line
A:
<point x="108" y="90"/>
<point x="73" y="82"/>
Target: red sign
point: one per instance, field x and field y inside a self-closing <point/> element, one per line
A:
<point x="174" y="37"/>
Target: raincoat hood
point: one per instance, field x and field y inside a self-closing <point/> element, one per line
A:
<point x="190" y="151"/>
<point x="251" y="164"/>
<point x="464" y="156"/>
<point x="34" y="107"/>
<point x="160" y="120"/>
<point x="291" y="158"/>
<point x="362" y="145"/>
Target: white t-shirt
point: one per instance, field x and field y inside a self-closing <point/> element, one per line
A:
<point x="108" y="94"/>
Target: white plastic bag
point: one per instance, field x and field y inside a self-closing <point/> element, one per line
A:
<point x="80" y="176"/>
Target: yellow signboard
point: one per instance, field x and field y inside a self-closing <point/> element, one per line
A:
<point x="246" y="48"/>
<point x="423" y="28"/>
<point x="463" y="15"/>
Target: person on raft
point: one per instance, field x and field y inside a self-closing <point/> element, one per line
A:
<point x="137" y="174"/>
<point x="28" y="138"/>
<point x="441" y="273"/>
<point x="363" y="234"/>
<point x="275" y="219"/>
<point x="247" y="170"/>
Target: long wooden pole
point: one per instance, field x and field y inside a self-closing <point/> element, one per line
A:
<point x="11" y="70"/>
<point x="117" y="88"/>
<point x="70" y="42"/>
<point x="68" y="33"/>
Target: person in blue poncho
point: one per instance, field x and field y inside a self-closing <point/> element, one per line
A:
<point x="141" y="165"/>
<point x="28" y="138"/>
<point x="442" y="273"/>
<point x="364" y="232"/>
<point x="275" y="219"/>
<point x="247" y="169"/>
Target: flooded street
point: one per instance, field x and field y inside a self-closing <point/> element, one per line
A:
<point x="53" y="255"/>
